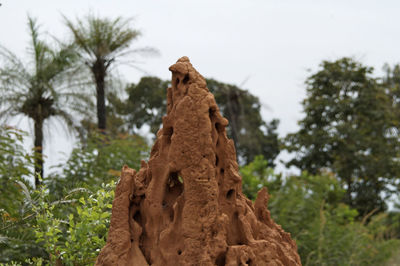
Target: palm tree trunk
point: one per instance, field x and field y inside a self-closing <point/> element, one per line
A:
<point x="99" y="73"/>
<point x="38" y="143"/>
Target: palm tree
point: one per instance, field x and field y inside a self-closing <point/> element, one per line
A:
<point x="39" y="90"/>
<point x="101" y="44"/>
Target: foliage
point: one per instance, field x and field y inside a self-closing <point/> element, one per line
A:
<point x="71" y="230"/>
<point x="67" y="219"/>
<point x="257" y="175"/>
<point x="391" y="82"/>
<point x="88" y="229"/>
<point x="16" y="167"/>
<point x="99" y="161"/>
<point x="351" y="129"/>
<point x="251" y="134"/>
<point x="75" y="237"/>
<point x="40" y="90"/>
<point x="147" y="103"/>
<point x="326" y="230"/>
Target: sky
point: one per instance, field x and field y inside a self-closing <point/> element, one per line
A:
<point x="267" y="46"/>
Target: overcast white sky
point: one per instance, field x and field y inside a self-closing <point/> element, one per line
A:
<point x="269" y="43"/>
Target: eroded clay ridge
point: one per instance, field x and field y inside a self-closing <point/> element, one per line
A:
<point x="186" y="206"/>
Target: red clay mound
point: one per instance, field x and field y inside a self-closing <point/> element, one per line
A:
<point x="186" y="206"/>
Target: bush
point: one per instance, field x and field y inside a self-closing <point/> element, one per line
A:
<point x="66" y="219"/>
<point x="17" y="241"/>
<point x="74" y="237"/>
<point x="100" y="160"/>
<point x="327" y="231"/>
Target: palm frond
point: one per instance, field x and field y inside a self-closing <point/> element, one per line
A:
<point x="40" y="50"/>
<point x="144" y="51"/>
<point x="79" y="34"/>
<point x="102" y="37"/>
<point x="67" y="118"/>
<point x="12" y="70"/>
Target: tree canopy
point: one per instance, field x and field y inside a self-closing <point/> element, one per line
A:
<point x="252" y="135"/>
<point x="350" y="128"/>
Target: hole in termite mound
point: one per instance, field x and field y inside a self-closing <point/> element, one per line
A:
<point x="174" y="180"/>
<point x="219" y="127"/>
<point x="173" y="189"/>
<point x="220" y="260"/>
<point x="211" y="112"/>
<point x="230" y="193"/>
<point x="185" y="79"/>
<point x="137" y="217"/>
<point x="168" y="133"/>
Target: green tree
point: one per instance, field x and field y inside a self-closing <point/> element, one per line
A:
<point x="39" y="90"/>
<point x="259" y="174"/>
<point x="102" y="44"/>
<point x="351" y="129"/>
<point x="147" y="103"/>
<point x="252" y="135"/>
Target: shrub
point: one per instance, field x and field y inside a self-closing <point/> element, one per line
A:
<point x="327" y="231"/>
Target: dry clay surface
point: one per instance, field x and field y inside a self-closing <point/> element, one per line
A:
<point x="186" y="206"/>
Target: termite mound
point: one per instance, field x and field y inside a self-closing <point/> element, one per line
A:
<point x="185" y="206"/>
